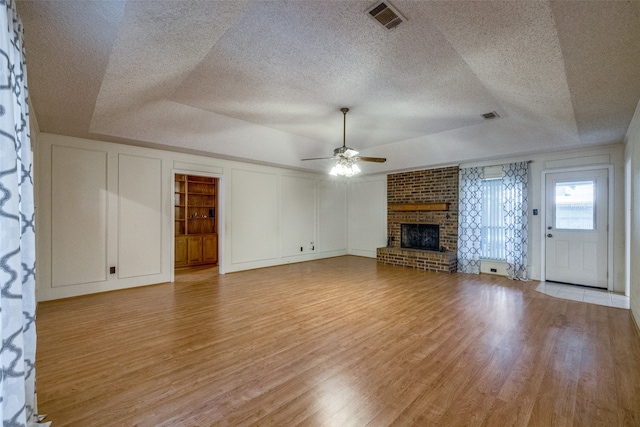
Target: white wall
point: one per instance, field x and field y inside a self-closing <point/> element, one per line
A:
<point x="608" y="155"/>
<point x="332" y="219"/>
<point x="99" y="206"/>
<point x="632" y="154"/>
<point x="140" y="198"/>
<point x="102" y="205"/>
<point x="79" y="205"/>
<point x="253" y="221"/>
<point x="34" y="133"/>
<point x="367" y="225"/>
<point x="298" y="215"/>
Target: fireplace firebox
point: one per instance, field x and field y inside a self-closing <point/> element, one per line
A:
<point x="420" y="236"/>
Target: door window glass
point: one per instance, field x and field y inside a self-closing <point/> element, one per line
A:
<point x="574" y="205"/>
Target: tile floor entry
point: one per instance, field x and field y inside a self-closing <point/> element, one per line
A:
<point x="584" y="294"/>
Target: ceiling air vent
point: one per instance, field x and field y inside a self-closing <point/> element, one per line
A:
<point x="491" y="115"/>
<point x="386" y="15"/>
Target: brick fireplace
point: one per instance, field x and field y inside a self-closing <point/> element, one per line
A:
<point x="423" y="197"/>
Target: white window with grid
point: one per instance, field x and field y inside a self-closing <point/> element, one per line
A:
<point x="492" y="244"/>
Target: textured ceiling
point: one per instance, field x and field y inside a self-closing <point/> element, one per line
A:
<point x="264" y="81"/>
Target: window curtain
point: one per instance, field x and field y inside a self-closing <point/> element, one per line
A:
<point x="470" y="220"/>
<point x="515" y="184"/>
<point x="17" y="233"/>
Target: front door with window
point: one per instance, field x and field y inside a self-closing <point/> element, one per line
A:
<point x="576" y="235"/>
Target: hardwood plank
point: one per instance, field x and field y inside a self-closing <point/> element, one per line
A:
<point x="343" y="341"/>
<point x="625" y="357"/>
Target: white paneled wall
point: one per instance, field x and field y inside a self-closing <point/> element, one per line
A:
<point x="139" y="216"/>
<point x="79" y="208"/>
<point x="333" y="217"/>
<point x="298" y="215"/>
<point x="106" y="206"/>
<point x="367" y="215"/>
<point x="111" y="205"/>
<point x="254" y="218"/>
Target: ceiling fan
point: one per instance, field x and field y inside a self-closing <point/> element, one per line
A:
<point x="346" y="157"/>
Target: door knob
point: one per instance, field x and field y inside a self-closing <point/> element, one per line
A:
<point x="549" y="235"/>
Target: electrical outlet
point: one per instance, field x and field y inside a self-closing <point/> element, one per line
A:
<point x="311" y="246"/>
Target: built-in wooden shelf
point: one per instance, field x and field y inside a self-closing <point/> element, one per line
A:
<point x="196" y="228"/>
<point x="406" y="207"/>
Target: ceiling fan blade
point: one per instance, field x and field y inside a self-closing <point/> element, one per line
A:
<point x="319" y="158"/>
<point x="346" y="156"/>
<point x="369" y="159"/>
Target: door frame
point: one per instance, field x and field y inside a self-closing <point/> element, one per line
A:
<point x="610" y="217"/>
<point x="220" y="214"/>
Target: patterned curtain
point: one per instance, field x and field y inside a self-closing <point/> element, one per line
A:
<point x="470" y="220"/>
<point x="17" y="233"/>
<point x="514" y="181"/>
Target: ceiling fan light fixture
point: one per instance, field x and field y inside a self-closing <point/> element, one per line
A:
<point x="345" y="167"/>
<point x="346" y="157"/>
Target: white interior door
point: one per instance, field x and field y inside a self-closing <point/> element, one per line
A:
<point x="576" y="235"/>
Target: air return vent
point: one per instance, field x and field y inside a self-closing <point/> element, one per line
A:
<point x="386" y="15"/>
<point x="491" y="115"/>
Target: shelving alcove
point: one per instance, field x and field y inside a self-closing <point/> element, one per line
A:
<point x="196" y="228"/>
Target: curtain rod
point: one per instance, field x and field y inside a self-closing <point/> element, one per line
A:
<point x="500" y="164"/>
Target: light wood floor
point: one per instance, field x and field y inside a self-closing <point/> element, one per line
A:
<point x="336" y="342"/>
